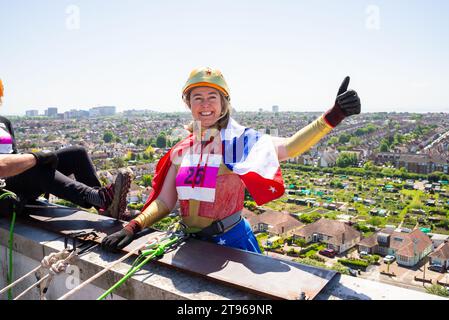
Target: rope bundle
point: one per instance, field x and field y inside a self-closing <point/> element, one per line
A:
<point x="58" y="262"/>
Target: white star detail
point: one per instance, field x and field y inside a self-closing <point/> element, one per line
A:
<point x="222" y="242"/>
<point x="272" y="189"/>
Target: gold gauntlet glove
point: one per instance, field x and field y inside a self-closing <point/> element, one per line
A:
<point x="153" y="213"/>
<point x="307" y="137"/>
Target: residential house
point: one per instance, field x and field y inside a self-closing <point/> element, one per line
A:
<point x="441" y="255"/>
<point x="337" y="235"/>
<point x="248" y="214"/>
<point x="302" y="159"/>
<point x="438" y="239"/>
<point x="408" y="248"/>
<point x="275" y="223"/>
<point x="328" y="158"/>
<point x="416" y="163"/>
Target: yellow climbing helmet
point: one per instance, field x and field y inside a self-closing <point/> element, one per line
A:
<point x="206" y="77"/>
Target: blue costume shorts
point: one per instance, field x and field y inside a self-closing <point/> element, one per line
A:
<point x="240" y="236"/>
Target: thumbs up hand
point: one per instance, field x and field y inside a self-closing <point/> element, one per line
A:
<point x="348" y="100"/>
<point x="346" y="104"/>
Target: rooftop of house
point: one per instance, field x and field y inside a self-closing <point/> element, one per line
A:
<point x="400" y="241"/>
<point x="340" y="231"/>
<point x="275" y="219"/>
<point x="441" y="252"/>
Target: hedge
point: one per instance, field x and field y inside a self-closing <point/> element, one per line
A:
<point x="314" y="246"/>
<point x="354" y="262"/>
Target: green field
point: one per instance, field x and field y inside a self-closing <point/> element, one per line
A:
<point x="370" y="201"/>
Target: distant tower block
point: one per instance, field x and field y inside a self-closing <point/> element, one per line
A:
<point x="52" y="112"/>
<point x="32" y="113"/>
<point x="275" y="108"/>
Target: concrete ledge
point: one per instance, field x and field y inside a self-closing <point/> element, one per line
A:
<point x="154" y="281"/>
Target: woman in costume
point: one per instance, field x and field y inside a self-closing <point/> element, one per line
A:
<point x="210" y="169"/>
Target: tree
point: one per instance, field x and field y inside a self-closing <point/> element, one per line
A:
<point x="139" y="141"/>
<point x="438" y="175"/>
<point x="108" y="136"/>
<point x="368" y="165"/>
<point x="148" y="154"/>
<point x="344" y="137"/>
<point x="355" y="141"/>
<point x="346" y="159"/>
<point x="118" y="162"/>
<point x="130" y="156"/>
<point x="384" y="147"/>
<point x="147" y="179"/>
<point x="398" y="139"/>
<point x="161" y="141"/>
<point x="300" y="242"/>
<point x="250" y="205"/>
<point x="332" y="141"/>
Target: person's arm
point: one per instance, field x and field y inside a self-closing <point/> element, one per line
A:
<point x="302" y="140"/>
<point x="14" y="164"/>
<point x="160" y="207"/>
<point x="346" y="104"/>
<point x="156" y="211"/>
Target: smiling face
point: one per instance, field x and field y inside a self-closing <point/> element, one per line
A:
<point x="205" y="104"/>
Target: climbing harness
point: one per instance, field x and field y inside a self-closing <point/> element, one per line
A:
<point x="150" y="251"/>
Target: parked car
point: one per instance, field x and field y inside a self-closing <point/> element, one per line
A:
<point x="363" y="254"/>
<point x="436" y="267"/>
<point x="389" y="259"/>
<point x="328" y="253"/>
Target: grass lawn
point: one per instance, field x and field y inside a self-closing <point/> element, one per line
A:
<point x="440" y="231"/>
<point x="314" y="251"/>
<point x="368" y="234"/>
<point x="262" y="236"/>
<point x="282" y="205"/>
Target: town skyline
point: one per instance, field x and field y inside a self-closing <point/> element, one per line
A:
<point x="42" y="110"/>
<point x="293" y="54"/>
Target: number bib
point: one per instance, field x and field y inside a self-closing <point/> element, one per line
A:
<point x="197" y="182"/>
<point x="5" y="140"/>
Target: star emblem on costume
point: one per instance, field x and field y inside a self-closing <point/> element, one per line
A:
<point x="222" y="242"/>
<point x="272" y="189"/>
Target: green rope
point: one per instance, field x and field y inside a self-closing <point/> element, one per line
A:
<point x="9" y="275"/>
<point x="158" y="251"/>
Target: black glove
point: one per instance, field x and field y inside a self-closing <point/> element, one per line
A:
<point x="46" y="158"/>
<point x="348" y="100"/>
<point x="346" y="104"/>
<point x="118" y="240"/>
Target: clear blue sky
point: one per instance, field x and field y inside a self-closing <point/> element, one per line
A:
<point x="138" y="53"/>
